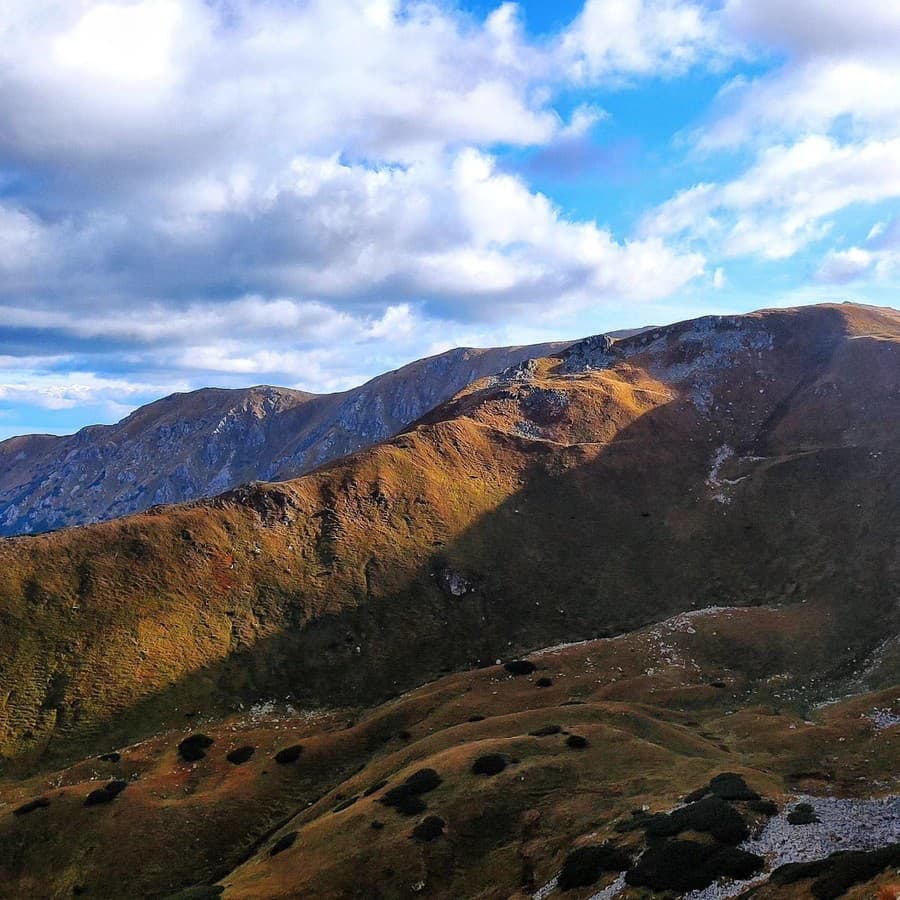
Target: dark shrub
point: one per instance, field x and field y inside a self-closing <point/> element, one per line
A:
<point x="730" y="786"/>
<point x="802" y="814"/>
<point x="519" y="667"/>
<point x="545" y="731"/>
<point x="712" y="815"/>
<point x="116" y="787"/>
<point x="95" y="798"/>
<point x="576" y="742"/>
<point x="732" y="862"/>
<point x="194" y="747"/>
<point x="544" y="682"/>
<point x="241" y="755"/>
<point x="766" y="807"/>
<point x="346" y="804"/>
<point x="476" y="718"/>
<point x="423" y="781"/>
<point x="404" y="801"/>
<point x="429" y="829"/>
<point x="377" y="825"/>
<point x="791" y="872"/>
<point x="699" y="794"/>
<point x="289" y="754"/>
<point x="852" y="868"/>
<point x="719" y="685"/>
<point x="639" y="819"/>
<point x="688" y="866"/>
<point x="836" y="874"/>
<point x="489" y="764"/>
<point x="405" y="797"/>
<point x="110" y="757"/>
<point x="31" y="806"/>
<point x="283" y="843"/>
<point x="404" y="735"/>
<point x="105" y="794"/>
<point x="375" y="788"/>
<point x="585" y="865"/>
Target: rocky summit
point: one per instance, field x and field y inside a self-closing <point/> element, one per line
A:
<point x="618" y="619"/>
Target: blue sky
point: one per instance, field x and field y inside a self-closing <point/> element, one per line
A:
<point x="311" y="192"/>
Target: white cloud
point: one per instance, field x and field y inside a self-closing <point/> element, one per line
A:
<point x="878" y="258"/>
<point x="125" y="43"/>
<point x="809" y="96"/>
<point x="22" y="240"/>
<point x="454" y="233"/>
<point x="58" y="391"/>
<point x="583" y="119"/>
<point x="820" y="126"/>
<point x="783" y="202"/>
<point x="843" y="266"/>
<point x="173" y="84"/>
<point x="841" y="70"/>
<point x="816" y="27"/>
<point x="333" y="152"/>
<point x="622" y="38"/>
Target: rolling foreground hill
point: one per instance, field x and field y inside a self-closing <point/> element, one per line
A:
<point x="194" y="445"/>
<point x="210" y="697"/>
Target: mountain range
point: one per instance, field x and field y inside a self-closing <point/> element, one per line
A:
<point x="201" y="443"/>
<point x="619" y="616"/>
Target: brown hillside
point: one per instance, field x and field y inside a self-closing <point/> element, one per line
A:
<point x="726" y="461"/>
<point x="663" y="710"/>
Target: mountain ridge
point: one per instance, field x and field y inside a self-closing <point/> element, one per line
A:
<point x="199" y="443"/>
<point x="369" y="547"/>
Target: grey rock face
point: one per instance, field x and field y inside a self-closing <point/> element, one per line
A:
<point x="209" y="441"/>
<point x="592" y="353"/>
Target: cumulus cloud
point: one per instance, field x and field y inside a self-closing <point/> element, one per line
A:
<point x="816" y="27"/>
<point x="819" y="126"/>
<point x="783" y="202"/>
<point x="843" y="266"/>
<point x="624" y="38"/>
<point x="190" y="179"/>
<point x="878" y="257"/>
<point x="841" y="70"/>
<point x="166" y="84"/>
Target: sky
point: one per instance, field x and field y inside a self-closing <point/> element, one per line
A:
<point x="310" y="192"/>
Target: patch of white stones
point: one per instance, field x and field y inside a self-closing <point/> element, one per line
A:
<point x="844" y="824"/>
<point x="883" y="719"/>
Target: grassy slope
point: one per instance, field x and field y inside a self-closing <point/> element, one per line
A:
<point x="656" y="725"/>
<point x="325" y="588"/>
<point x="575" y="506"/>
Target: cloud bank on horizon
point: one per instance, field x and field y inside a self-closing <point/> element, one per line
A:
<point x="309" y="192"/>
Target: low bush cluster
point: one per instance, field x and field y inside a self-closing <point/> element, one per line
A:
<point x="586" y="864"/>
<point x="194" y="747"/>
<point x="690" y="866"/>
<point x="105" y="794"/>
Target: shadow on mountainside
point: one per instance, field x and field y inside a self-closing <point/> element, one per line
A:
<point x="598" y="540"/>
